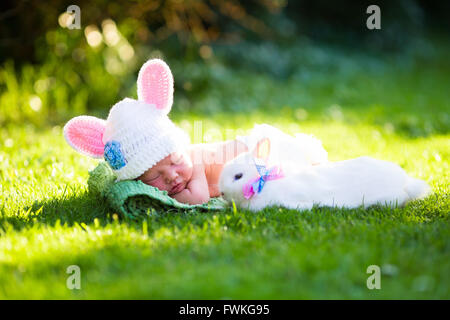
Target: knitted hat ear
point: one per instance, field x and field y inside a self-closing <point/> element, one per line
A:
<point x="155" y="85"/>
<point x="84" y="134"/>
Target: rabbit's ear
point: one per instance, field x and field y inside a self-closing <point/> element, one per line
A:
<point x="84" y="134"/>
<point x="262" y="149"/>
<point x="155" y="85"/>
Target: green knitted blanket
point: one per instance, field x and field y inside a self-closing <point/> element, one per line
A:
<point x="135" y="198"/>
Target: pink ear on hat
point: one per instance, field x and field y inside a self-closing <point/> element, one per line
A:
<point x="84" y="134"/>
<point x="155" y="84"/>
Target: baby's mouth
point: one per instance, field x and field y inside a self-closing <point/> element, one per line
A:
<point x="177" y="188"/>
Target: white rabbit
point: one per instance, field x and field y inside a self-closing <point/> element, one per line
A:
<point x="351" y="183"/>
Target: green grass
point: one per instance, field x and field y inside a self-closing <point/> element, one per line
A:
<point x="48" y="221"/>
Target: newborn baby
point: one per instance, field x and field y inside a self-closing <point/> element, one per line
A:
<point x="192" y="176"/>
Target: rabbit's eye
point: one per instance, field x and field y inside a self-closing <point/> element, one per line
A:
<point x="238" y="176"/>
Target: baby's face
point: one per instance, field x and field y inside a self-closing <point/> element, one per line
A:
<point x="171" y="173"/>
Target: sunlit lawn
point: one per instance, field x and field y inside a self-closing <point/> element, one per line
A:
<point x="48" y="221"/>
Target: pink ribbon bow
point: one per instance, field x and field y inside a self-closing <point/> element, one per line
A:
<point x="256" y="185"/>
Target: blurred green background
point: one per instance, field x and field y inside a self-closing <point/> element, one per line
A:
<point x="309" y="66"/>
<point x="230" y="56"/>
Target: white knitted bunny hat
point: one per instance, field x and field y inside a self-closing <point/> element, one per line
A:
<point x="137" y="133"/>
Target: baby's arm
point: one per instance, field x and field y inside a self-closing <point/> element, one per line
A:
<point x="196" y="191"/>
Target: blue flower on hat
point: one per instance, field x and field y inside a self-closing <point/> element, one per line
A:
<point x="113" y="155"/>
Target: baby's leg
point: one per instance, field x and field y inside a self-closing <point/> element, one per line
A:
<point x="292" y="153"/>
<point x="314" y="150"/>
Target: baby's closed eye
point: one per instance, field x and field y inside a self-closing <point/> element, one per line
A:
<point x="152" y="178"/>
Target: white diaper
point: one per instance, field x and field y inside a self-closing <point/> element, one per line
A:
<point x="291" y="152"/>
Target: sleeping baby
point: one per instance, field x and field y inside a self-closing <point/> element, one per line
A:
<point x="140" y="142"/>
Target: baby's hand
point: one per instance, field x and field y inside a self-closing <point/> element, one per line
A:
<point x="186" y="196"/>
<point x="197" y="191"/>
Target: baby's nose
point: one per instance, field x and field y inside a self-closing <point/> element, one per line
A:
<point x="171" y="177"/>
